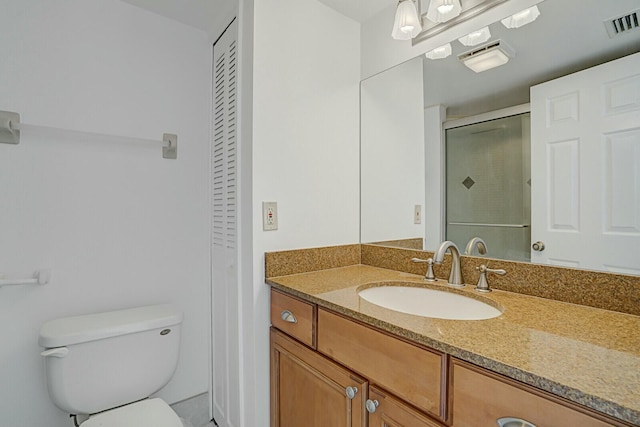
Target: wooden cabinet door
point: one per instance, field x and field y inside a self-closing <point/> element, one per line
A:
<point x="481" y="397"/>
<point x="308" y="390"/>
<point x="391" y="412"/>
<point x="412" y="373"/>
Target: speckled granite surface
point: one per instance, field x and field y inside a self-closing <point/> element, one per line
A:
<point x="617" y="292"/>
<point x="302" y="260"/>
<point x="587" y="355"/>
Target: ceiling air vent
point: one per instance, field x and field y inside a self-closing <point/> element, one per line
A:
<point x="623" y="24"/>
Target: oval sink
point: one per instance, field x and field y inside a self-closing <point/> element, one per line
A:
<point x="429" y="303"/>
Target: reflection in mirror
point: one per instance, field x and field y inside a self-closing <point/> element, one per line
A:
<point x="406" y="112"/>
<point x="488" y="185"/>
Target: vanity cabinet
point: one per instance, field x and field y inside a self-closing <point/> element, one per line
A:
<point x="318" y="388"/>
<point x="308" y="390"/>
<point x="481" y="398"/>
<point x="415" y="374"/>
<point x="330" y="370"/>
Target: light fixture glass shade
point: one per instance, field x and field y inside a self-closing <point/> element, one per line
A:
<point x="407" y="23"/>
<point x="476" y="37"/>
<point x="521" y="18"/>
<point x="443" y="10"/>
<point x="439" y="52"/>
<point x="490" y="56"/>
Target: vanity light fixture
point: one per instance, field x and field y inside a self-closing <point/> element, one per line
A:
<point x="476" y="37"/>
<point x="491" y="55"/>
<point x="521" y="18"/>
<point x="407" y="23"/>
<point x="443" y="10"/>
<point x="439" y="52"/>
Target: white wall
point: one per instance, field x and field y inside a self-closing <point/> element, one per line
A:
<point x="392" y="153"/>
<point x="434" y="139"/>
<point x="119" y="225"/>
<point x="305" y="143"/>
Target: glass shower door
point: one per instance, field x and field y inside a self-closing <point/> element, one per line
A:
<point x="488" y="186"/>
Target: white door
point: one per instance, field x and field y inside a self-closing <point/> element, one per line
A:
<point x="585" y="168"/>
<point x="225" y="285"/>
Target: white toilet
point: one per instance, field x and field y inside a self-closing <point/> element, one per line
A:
<point x="106" y="365"/>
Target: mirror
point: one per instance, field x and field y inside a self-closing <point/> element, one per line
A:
<point x="407" y="110"/>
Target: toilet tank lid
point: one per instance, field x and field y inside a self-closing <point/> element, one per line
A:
<point x="91" y="327"/>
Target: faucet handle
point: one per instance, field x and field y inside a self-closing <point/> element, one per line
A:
<point x="483" y="285"/>
<point x="429" y="276"/>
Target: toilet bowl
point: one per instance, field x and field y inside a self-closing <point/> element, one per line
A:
<point x="106" y="365"/>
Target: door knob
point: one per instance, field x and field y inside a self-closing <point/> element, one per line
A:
<point x="351" y="392"/>
<point x="538" y="246"/>
<point x="371" y="405"/>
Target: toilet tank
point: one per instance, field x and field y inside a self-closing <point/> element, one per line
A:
<point x="99" y="361"/>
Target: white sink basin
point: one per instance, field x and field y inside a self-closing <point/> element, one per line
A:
<point x="429" y="303"/>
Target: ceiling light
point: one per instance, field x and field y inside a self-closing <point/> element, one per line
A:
<point x="407" y="23"/>
<point x="521" y="18"/>
<point x="476" y="37"/>
<point x="439" y="52"/>
<point x="489" y="56"/>
<point x="443" y="10"/>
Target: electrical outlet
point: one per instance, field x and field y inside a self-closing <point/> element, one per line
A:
<point x="269" y="216"/>
<point x="417" y="214"/>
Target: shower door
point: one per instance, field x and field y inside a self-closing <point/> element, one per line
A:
<point x="488" y="186"/>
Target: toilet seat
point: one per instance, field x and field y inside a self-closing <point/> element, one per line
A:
<point x="146" y="413"/>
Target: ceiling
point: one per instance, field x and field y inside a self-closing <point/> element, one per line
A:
<point x="211" y="16"/>
<point x="568" y="36"/>
<point x="359" y="10"/>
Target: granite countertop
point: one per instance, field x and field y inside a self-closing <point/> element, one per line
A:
<point x="587" y="355"/>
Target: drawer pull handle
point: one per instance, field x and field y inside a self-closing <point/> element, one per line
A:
<point x="514" y="422"/>
<point x="351" y="392"/>
<point x="371" y="405"/>
<point x="288" y="316"/>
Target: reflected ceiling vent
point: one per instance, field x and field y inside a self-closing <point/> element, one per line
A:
<point x="623" y="24"/>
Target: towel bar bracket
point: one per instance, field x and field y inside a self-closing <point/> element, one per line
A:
<point x="40" y="277"/>
<point x="170" y="151"/>
<point x="8" y="133"/>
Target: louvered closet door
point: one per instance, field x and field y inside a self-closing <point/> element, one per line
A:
<point x="224" y="240"/>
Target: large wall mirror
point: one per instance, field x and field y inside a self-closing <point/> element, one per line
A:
<point x="449" y="154"/>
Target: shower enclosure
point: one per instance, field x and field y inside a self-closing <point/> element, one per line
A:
<point x="488" y="183"/>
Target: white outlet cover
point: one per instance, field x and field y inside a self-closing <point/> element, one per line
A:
<point x="269" y="216"/>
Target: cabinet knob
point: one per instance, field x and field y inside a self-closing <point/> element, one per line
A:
<point x="538" y="246"/>
<point x="514" y="422"/>
<point x="372" y="405"/>
<point x="351" y="392"/>
<point x="288" y="316"/>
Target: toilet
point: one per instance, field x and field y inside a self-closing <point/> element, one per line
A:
<point x="105" y="366"/>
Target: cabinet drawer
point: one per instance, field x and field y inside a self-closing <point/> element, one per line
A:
<point x="480" y="398"/>
<point x="410" y="372"/>
<point x="301" y="324"/>
<point x="391" y="412"/>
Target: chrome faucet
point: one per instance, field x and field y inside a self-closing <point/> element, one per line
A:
<point x="483" y="285"/>
<point x="429" y="276"/>
<point x="455" y="276"/>
<point x="476" y="242"/>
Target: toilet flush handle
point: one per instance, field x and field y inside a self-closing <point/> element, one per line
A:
<point x="55" y="352"/>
